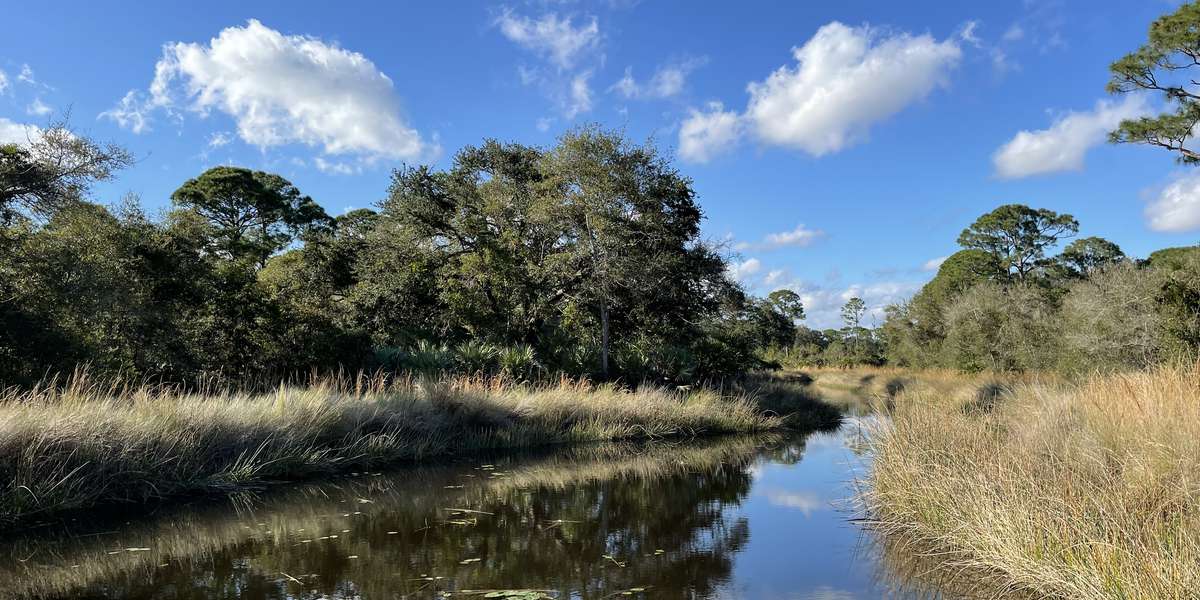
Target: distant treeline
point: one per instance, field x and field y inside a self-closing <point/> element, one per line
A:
<point x="1003" y="303"/>
<point x="584" y="259"/>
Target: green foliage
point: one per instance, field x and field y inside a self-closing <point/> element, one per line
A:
<point x="1085" y="256"/>
<point x="253" y="213"/>
<point x="1173" y="259"/>
<point x="1164" y="65"/>
<point x="1018" y="236"/>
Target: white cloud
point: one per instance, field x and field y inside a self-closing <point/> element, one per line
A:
<point x="281" y="89"/>
<point x="544" y="123"/>
<point x="667" y="81"/>
<point x="17" y="133"/>
<point x="580" y="100"/>
<point x="845" y="79"/>
<point x="3" y="81"/>
<point x="38" y="108"/>
<point x="1013" y="33"/>
<point x="1062" y="146"/>
<point x="934" y="264"/>
<point x="823" y="302"/>
<point x="1177" y="208"/>
<point x="334" y="167"/>
<point x="805" y="502"/>
<point x="800" y="236"/>
<point x="703" y="135"/>
<point x="131" y="112"/>
<point x="219" y="138"/>
<point x="555" y="38"/>
<point x="743" y="270"/>
<point x="26" y="75"/>
<point x="967" y="34"/>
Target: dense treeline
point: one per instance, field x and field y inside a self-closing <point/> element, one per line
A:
<point x="1004" y="303"/>
<point x="584" y="259"/>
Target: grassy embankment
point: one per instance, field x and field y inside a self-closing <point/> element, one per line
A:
<point x="1039" y="487"/>
<point x="84" y="444"/>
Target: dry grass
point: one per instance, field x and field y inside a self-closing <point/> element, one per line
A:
<point x="1046" y="489"/>
<point x="83" y="444"/>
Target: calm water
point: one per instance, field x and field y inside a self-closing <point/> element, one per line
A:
<point x="745" y="517"/>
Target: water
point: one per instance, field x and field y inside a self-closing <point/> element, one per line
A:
<point x="741" y="517"/>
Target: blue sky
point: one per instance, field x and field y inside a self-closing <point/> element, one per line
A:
<point x="837" y="147"/>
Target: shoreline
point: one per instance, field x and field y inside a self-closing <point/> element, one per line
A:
<point x="84" y="446"/>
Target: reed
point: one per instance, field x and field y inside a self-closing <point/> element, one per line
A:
<point x="1043" y="488"/>
<point x="85" y="443"/>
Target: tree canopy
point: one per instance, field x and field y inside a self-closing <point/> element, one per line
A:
<point x="1018" y="236"/>
<point x="1165" y="65"/>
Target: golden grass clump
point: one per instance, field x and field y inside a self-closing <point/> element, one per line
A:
<point x="1045" y="488"/>
<point x="72" y="446"/>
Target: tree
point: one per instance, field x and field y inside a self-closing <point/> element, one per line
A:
<point x="1002" y="327"/>
<point x="1110" y="320"/>
<point x="1085" y="256"/>
<point x="1164" y="65"/>
<point x="633" y="226"/>
<point x="853" y="311"/>
<point x="255" y="213"/>
<point x="788" y="303"/>
<point x="1018" y="236"/>
<point x="54" y="169"/>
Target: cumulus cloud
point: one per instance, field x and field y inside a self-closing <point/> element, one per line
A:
<point x="845" y="80"/>
<point x="580" y="98"/>
<point x="26" y="75"/>
<point x="219" y="138"/>
<point x="1177" y="207"/>
<point x="17" y="133"/>
<point x="705" y="134"/>
<point x="1063" y="145"/>
<point x="667" y="81"/>
<point x="280" y="89"/>
<point x="800" y="236"/>
<point x="934" y="264"/>
<point x="743" y="270"/>
<point x="823" y="301"/>
<point x="551" y="36"/>
<point x="131" y="112"/>
<point x="38" y="108"/>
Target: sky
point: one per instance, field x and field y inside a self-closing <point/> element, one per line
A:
<point x="837" y="148"/>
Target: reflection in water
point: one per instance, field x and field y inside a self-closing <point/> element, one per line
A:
<point x="587" y="522"/>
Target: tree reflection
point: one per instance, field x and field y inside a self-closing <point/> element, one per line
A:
<point x="584" y="523"/>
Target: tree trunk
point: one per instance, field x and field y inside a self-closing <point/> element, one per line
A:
<point x="604" y="338"/>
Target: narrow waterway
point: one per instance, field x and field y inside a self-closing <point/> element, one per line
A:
<point x="739" y="517"/>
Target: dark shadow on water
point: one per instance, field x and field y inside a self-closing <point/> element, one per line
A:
<point x="590" y="521"/>
<point x="585" y="521"/>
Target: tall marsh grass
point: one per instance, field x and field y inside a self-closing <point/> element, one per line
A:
<point x="73" y="446"/>
<point x="1046" y="489"/>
